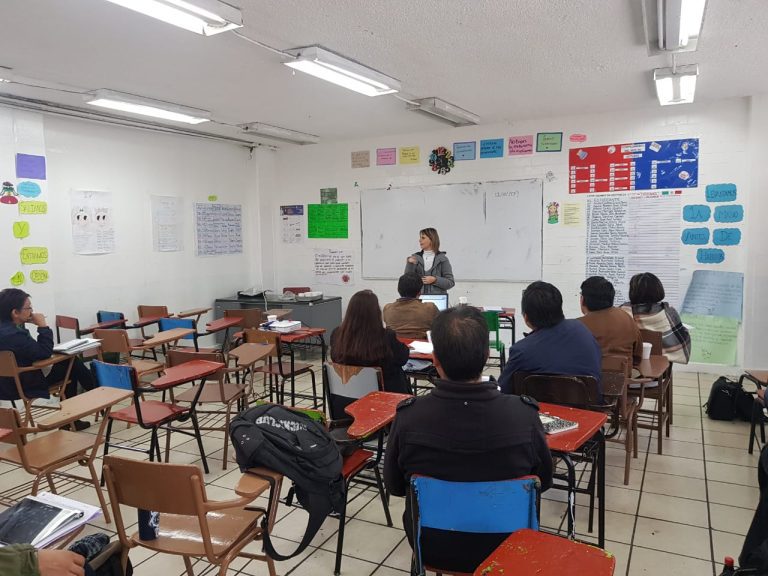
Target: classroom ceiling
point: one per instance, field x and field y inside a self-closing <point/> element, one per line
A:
<point x="504" y="60"/>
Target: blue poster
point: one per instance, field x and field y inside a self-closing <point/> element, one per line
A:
<point x="666" y="164"/>
<point x="464" y="150"/>
<point x="696" y="213"/>
<point x="492" y="148"/>
<point x="715" y="293"/>
<point x="710" y="256"/>
<point x="727" y="213"/>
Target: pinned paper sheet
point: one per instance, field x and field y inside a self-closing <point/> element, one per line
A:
<point x="572" y="214"/>
<point x="520" y="145"/>
<point x="29" y="189"/>
<point x="34" y="255"/>
<point x="20" y="229"/>
<point x="549" y="142"/>
<point x="328" y="220"/>
<point x="492" y="148"/>
<point x="409" y="155"/>
<point x="17" y="279"/>
<point x="334" y="267"/>
<point x="30" y="166"/>
<point x="715" y="293"/>
<point x="29" y="207"/>
<point x="329" y="196"/>
<point x="39" y="276"/>
<point x="464" y="150"/>
<point x="386" y="156"/>
<point x="361" y="159"/>
<point x="713" y="338"/>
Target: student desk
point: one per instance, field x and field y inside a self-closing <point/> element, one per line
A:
<point x="532" y="552"/>
<point x="219" y="325"/>
<point x="102" y="325"/>
<point x="147" y="321"/>
<point x="196" y="312"/>
<point x="85" y="404"/>
<point x="373" y="412"/>
<point x="412" y="353"/>
<point x="564" y="443"/>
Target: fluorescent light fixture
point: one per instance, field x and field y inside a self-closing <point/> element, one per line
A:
<point x="206" y="17"/>
<point x="278" y="133"/>
<point x="444" y="111"/>
<point x="332" y="67"/>
<point x="673" y="25"/>
<point x="676" y="87"/>
<point x="146" y="107"/>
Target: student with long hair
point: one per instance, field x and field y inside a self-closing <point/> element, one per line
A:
<point x="430" y="264"/>
<point x="362" y="340"/>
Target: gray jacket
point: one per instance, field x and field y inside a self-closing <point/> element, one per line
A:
<point x="441" y="270"/>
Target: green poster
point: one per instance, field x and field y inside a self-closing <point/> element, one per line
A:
<point x="549" y="142"/>
<point x="713" y="338"/>
<point x="328" y="221"/>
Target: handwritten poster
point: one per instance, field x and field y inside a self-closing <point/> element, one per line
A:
<point x="492" y="148"/>
<point x="386" y="156"/>
<point x="521" y="145"/>
<point x="93" y="228"/>
<point x="33" y="207"/>
<point x="361" y="159"/>
<point x="34" y="255"/>
<point x="464" y="150"/>
<point x="328" y="220"/>
<point x="292" y="224"/>
<point x="167" y="223"/>
<point x="409" y="155"/>
<point x="218" y="229"/>
<point x="334" y="267"/>
<point x="549" y="142"/>
<point x="715" y="293"/>
<point x="632" y="233"/>
<point x="713" y="338"/>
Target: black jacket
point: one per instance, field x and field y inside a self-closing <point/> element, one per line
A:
<point x="27" y="350"/>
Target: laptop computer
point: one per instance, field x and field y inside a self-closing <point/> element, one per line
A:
<point x="439" y="300"/>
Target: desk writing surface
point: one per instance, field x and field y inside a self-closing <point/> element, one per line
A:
<point x="372" y="412"/>
<point x="82" y="405"/>
<point x="223" y="324"/>
<point x="55" y="358"/>
<point x="102" y="325"/>
<point x="589" y="423"/>
<point x="146" y="321"/>
<point x="301" y="334"/>
<point x="193" y="312"/>
<point x="759" y="375"/>
<point x="167" y="336"/>
<point x="186" y="372"/>
<point x="251" y="352"/>
<point x="414" y="354"/>
<point x="653" y="367"/>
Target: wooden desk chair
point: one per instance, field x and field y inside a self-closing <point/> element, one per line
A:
<point x="191" y="525"/>
<point x="659" y="418"/>
<point x="276" y="368"/>
<point x="46" y="454"/>
<point x="146" y="311"/>
<point x="485" y="512"/>
<point x="492" y="319"/>
<point x="624" y="410"/>
<point x="252" y="318"/>
<point x="73" y="324"/>
<point x="116" y="341"/>
<point x="9" y="369"/>
<point x="150" y="415"/>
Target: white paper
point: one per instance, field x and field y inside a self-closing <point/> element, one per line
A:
<point x="632" y="233"/>
<point x="93" y="230"/>
<point x="421" y="347"/>
<point x="218" y="229"/>
<point x="334" y="267"/>
<point x="89" y="513"/>
<point x="167" y="223"/>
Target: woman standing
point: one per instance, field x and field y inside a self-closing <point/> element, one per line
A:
<point x="646" y="295"/>
<point x="431" y="264"/>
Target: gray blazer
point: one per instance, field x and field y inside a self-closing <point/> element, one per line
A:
<point x="441" y="270"/>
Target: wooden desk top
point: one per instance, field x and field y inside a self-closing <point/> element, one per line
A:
<point x="589" y="423"/>
<point x="532" y="552"/>
<point x="55" y="358"/>
<point x="186" y="372"/>
<point x="301" y="334"/>
<point x="252" y="484"/>
<point x="193" y="312"/>
<point x="82" y="405"/>
<point x="223" y="324"/>
<point x="146" y="321"/>
<point x="251" y="352"/>
<point x="372" y="412"/>
<point x="759" y="375"/>
<point x="653" y="367"/>
<point x="103" y="325"/>
<point x="167" y="336"/>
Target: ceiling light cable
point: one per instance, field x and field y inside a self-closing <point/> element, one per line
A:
<point x="265" y="46"/>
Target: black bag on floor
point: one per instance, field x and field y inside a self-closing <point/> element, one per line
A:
<point x="727" y="400"/>
<point x="301" y="449"/>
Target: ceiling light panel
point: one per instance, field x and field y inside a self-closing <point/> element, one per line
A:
<point x="206" y="17"/>
<point x="133" y="104"/>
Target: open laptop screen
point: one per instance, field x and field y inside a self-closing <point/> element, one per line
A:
<point x="439" y="300"/>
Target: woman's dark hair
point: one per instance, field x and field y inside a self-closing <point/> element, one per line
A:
<point x="361" y="338"/>
<point x="460" y="339"/>
<point x="11" y="299"/>
<point x="409" y="285"/>
<point x="543" y="305"/>
<point x="598" y="293"/>
<point x="433" y="236"/>
<point x="645" y="288"/>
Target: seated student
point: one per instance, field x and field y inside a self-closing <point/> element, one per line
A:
<point x="646" y="295"/>
<point x="615" y="331"/>
<point x="15" y="312"/>
<point x="362" y="340"/>
<point x="408" y="316"/>
<point x="464" y="430"/>
<point x="555" y="345"/>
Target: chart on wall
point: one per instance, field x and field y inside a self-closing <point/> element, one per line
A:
<point x="655" y="165"/>
<point x="632" y="233"/>
<point x="218" y="229"/>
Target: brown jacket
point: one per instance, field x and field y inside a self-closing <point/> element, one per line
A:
<point x="410" y="317"/>
<point x="616" y="332"/>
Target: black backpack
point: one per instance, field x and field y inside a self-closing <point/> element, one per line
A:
<point x="301" y="449"/>
<point x="728" y="400"/>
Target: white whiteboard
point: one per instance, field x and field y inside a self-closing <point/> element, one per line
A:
<point x="489" y="230"/>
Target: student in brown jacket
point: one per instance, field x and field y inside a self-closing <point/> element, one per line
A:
<point x="612" y="327"/>
<point x="408" y="316"/>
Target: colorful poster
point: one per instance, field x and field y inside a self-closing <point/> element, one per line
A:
<point x="729" y="213"/>
<point x="464" y="150"/>
<point x="715" y="293"/>
<point x="167" y="223"/>
<point x="30" y="166"/>
<point x="713" y="338"/>
<point x="549" y="142"/>
<point x="639" y="166"/>
<point x="361" y="159"/>
<point x="493" y="148"/>
<point x="409" y="155"/>
<point x="218" y="229"/>
<point x="553" y="212"/>
<point x="292" y="223"/>
<point x="328" y="221"/>
<point x="386" y="156"/>
<point x="334" y="267"/>
<point x="520" y="145"/>
<point x="93" y="228"/>
<point x="329" y="196"/>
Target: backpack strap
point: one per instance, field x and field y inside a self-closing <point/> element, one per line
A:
<point x="318" y="507"/>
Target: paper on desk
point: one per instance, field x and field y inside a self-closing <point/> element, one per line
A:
<point x="89" y="512"/>
<point x="493" y="308"/>
<point x="421" y="347"/>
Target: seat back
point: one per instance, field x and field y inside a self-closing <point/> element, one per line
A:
<point x="615" y="364"/>
<point x="346" y="383"/>
<point x="654" y="338"/>
<point x="575" y="391"/>
<point x="263" y="337"/>
<point x="107" y="316"/>
<point x="171" y="323"/>
<point x="68" y="323"/>
<point x="8" y="366"/>
<point x="113" y="340"/>
<point x="146" y="311"/>
<point x="495" y="509"/>
<point x="252" y="317"/>
<point x="119" y="376"/>
<point x="296" y="289"/>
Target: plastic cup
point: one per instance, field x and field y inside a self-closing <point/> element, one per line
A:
<point x="463" y="300"/>
<point x="647" y="346"/>
<point x="429" y="336"/>
<point x="272" y="318"/>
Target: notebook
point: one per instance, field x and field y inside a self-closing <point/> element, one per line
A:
<point x="76" y="346"/>
<point x="555" y="425"/>
<point x="32" y="521"/>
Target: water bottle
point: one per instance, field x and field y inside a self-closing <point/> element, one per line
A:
<point x="149" y="524"/>
<point x="728" y="567"/>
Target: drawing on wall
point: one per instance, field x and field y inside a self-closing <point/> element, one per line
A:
<point x="218" y="229"/>
<point x="520" y="145"/>
<point x="441" y="160"/>
<point x="93" y="230"/>
<point x="553" y="213"/>
<point x="9" y="194"/>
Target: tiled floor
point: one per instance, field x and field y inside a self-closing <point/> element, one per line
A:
<point x="681" y="513"/>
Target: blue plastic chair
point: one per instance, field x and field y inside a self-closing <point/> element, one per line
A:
<point x="171" y="323"/>
<point x="493" y="508"/>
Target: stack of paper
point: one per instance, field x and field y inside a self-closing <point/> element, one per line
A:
<point x="77" y="346"/>
<point x="421" y="347"/>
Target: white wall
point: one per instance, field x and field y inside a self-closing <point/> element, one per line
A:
<point x="133" y="165"/>
<point x="723" y="129"/>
